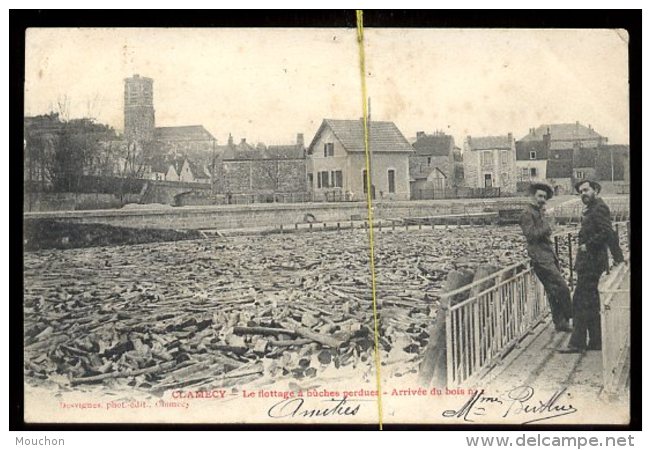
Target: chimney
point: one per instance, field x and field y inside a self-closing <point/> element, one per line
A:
<point x="510" y="135"/>
<point x="230" y="139"/>
<point x="420" y="134"/>
<point x="243" y="141"/>
<point x="300" y="140"/>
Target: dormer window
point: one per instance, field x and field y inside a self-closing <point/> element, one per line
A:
<point x="532" y="155"/>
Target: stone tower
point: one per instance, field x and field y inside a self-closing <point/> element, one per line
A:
<point x="139" y="109"/>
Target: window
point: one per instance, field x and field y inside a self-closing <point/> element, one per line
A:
<point x="328" y="149"/>
<point x="325" y="179"/>
<point x="429" y="161"/>
<point x="525" y="173"/>
<point x="580" y="175"/>
<point x="310" y="180"/>
<point x="533" y="172"/>
<point x="532" y="155"/>
<point x="364" y="181"/>
<point x="505" y="158"/>
<point x="392" y="180"/>
<point x="487" y="158"/>
<point x="338" y="178"/>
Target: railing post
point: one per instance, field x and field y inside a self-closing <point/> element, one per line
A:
<point x="569" y="250"/>
<point x="449" y="347"/>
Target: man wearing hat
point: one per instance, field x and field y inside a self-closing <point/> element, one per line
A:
<point x="537" y="231"/>
<point x="595" y="237"/>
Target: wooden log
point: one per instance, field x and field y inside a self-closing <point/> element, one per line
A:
<point x="290" y="342"/>
<point x="264" y="331"/>
<point x="127" y="373"/>
<point x="323" y="339"/>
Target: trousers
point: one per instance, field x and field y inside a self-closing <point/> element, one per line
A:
<point x="587" y="320"/>
<point x="558" y="294"/>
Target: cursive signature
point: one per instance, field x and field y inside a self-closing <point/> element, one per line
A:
<point x="519" y="401"/>
<point x="296" y="407"/>
<point x="522" y="403"/>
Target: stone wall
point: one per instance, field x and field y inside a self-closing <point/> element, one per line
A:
<point x="261" y="215"/>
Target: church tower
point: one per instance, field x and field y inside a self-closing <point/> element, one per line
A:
<point x="139" y="109"/>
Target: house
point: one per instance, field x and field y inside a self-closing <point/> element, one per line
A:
<point x="566" y="152"/>
<point x="531" y="159"/>
<point x="489" y="162"/>
<point x="337" y="161"/>
<point x="194" y="142"/>
<point x="432" y="166"/>
<point x="174" y="170"/>
<point x="613" y="163"/>
<point x="264" y="170"/>
<point x="566" y="135"/>
<point x="192" y="172"/>
<point x="157" y="169"/>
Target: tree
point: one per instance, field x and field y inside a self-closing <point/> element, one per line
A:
<point x="59" y="153"/>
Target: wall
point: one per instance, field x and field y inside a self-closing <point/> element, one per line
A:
<point x="339" y="161"/>
<point x="380" y="164"/>
<point x="256" y="215"/>
<point x="474" y="171"/>
<point x="70" y="201"/>
<point x="539" y="165"/>
<point x="261" y="176"/>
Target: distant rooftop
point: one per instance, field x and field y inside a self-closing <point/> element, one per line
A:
<point x="562" y="132"/>
<point x="184" y="133"/>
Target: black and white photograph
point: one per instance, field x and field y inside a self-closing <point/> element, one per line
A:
<point x="327" y="225"/>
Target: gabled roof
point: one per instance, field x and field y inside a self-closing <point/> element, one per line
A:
<point x="292" y="151"/>
<point x="176" y="164"/>
<point x="197" y="170"/>
<point x="489" y="142"/>
<point x="185" y="133"/>
<point x="434" y="145"/>
<point x="383" y="136"/>
<point x="563" y="132"/>
<point x="425" y="172"/>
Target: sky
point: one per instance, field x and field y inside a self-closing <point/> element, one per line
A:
<point x="267" y="85"/>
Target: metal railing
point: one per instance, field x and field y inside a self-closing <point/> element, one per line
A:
<point x="615" y="310"/>
<point x="497" y="312"/>
<point x="455" y="192"/>
<point x="572" y="213"/>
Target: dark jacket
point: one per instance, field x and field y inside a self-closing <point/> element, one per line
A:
<point x="537" y="231"/>
<point x="596" y="233"/>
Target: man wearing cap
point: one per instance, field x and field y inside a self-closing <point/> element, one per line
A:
<point x="537" y="231"/>
<point x="595" y="237"/>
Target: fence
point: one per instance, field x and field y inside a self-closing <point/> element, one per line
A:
<point x="615" y="309"/>
<point x="458" y="192"/>
<point x="499" y="311"/>
<point x="619" y="211"/>
<point x="566" y="246"/>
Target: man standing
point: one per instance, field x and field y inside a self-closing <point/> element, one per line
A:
<point x="595" y="237"/>
<point x="537" y="231"/>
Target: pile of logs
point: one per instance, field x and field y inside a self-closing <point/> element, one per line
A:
<point x="229" y="311"/>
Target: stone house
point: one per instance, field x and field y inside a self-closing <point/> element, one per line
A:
<point x="337" y="161"/>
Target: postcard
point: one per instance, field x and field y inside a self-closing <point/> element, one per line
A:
<point x="326" y="226"/>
